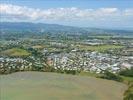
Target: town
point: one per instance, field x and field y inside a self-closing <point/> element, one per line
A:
<point x="88" y="55"/>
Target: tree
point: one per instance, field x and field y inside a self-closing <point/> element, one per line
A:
<point x="111" y="76"/>
<point x="127" y="72"/>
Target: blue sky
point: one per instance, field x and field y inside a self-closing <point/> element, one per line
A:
<point x="72" y="3"/>
<point x="88" y="13"/>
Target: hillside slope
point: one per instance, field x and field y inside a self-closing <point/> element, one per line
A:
<point x="53" y="86"/>
<point x="21" y="27"/>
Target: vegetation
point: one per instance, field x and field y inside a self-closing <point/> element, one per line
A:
<point x="16" y="52"/>
<point x="127" y="76"/>
<point x="110" y="76"/>
<point x="100" y="48"/>
<point x="92" y="74"/>
<point x="128" y="95"/>
<point x="38" y="47"/>
<point x="127" y="72"/>
<point x="53" y="86"/>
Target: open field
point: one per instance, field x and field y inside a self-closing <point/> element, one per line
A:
<point x="16" y="52"/>
<point x="38" y="47"/>
<point x="101" y="36"/>
<point x="53" y="86"/>
<point x="99" y="48"/>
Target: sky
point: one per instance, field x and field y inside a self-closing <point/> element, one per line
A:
<point x="82" y="13"/>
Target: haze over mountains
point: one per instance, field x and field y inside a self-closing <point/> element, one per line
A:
<point x="55" y="28"/>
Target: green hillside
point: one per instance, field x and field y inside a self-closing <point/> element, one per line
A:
<point x="16" y="52"/>
<point x="53" y="86"/>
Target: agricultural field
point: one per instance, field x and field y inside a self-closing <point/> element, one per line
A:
<point x="53" y="86"/>
<point x="99" y="48"/>
<point x="15" y="52"/>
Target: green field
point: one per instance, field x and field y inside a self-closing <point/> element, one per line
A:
<point x="53" y="86"/>
<point x="16" y="52"/>
<point x="99" y="48"/>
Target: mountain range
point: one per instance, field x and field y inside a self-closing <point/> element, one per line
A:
<point x="55" y="28"/>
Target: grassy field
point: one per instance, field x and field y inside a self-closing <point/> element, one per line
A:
<point x="53" y="86"/>
<point x="99" y="48"/>
<point x="38" y="47"/>
<point x="16" y="52"/>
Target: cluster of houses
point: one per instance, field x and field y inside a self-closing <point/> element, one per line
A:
<point x="89" y="61"/>
<point x="85" y="61"/>
<point x="14" y="63"/>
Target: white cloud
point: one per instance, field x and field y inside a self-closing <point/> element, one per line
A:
<point x="9" y="11"/>
<point x="128" y="12"/>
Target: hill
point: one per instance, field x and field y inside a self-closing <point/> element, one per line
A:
<point x="38" y="27"/>
<point x="53" y="86"/>
<point x="20" y="27"/>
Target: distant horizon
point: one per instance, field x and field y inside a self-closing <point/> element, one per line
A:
<point x="125" y="29"/>
<point x="87" y="13"/>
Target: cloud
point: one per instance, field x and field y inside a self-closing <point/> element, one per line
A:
<point x="128" y="12"/>
<point x="22" y="13"/>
